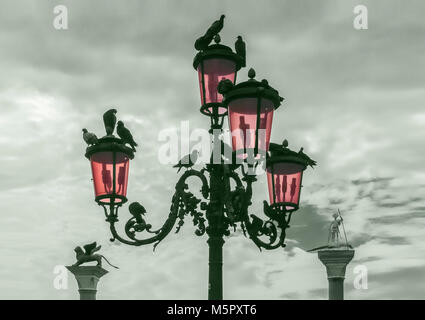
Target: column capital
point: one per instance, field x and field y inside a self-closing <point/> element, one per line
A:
<point x="336" y="261"/>
<point x="87" y="278"/>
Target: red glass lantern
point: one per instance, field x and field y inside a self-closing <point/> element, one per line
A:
<point x="243" y="117"/>
<point x="284" y="176"/>
<point x="110" y="161"/>
<point x="250" y="106"/>
<point x="216" y="63"/>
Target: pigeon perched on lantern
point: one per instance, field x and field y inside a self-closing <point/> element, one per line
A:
<point x="214" y="63"/>
<point x="240" y="48"/>
<point x="109" y="120"/>
<point x="187" y="161"/>
<point x="110" y="160"/>
<point x="126" y="135"/>
<point x="89" y="137"/>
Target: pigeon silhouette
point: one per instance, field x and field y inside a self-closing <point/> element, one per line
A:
<point x="224" y="86"/>
<point x="89" y="138"/>
<point x="110" y="119"/>
<point x="187" y="161"/>
<point x="216" y="26"/>
<point x="267" y="209"/>
<point x="240" y="48"/>
<point x="137" y="211"/>
<point x="310" y="161"/>
<point x="256" y="224"/>
<point x="126" y="135"/>
<point x="202" y="42"/>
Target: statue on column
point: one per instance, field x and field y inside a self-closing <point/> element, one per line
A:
<point x="89" y="255"/>
<point x="334" y="236"/>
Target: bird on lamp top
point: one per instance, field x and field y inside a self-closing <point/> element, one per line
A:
<point x="240" y="48"/>
<point x="89" y="138"/>
<point x="309" y="161"/>
<point x="202" y="42"/>
<point x="188" y="161"/>
<point x="126" y="135"/>
<point x="109" y="120"/>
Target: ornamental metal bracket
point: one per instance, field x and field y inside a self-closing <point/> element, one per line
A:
<point x="183" y="203"/>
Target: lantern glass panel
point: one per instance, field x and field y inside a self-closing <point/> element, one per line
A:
<point x="215" y="70"/>
<point x="243" y="125"/>
<point x="102" y="164"/>
<point x="284" y="183"/>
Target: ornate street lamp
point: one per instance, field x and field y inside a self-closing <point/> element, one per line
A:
<point x="215" y="63"/>
<point x="284" y="178"/>
<point x="226" y="192"/>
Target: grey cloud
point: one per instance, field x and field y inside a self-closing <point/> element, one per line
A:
<point x="354" y="100"/>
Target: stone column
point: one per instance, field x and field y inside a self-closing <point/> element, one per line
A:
<point x="87" y="278"/>
<point x="336" y="260"/>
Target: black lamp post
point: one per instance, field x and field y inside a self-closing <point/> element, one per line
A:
<point x="250" y="106"/>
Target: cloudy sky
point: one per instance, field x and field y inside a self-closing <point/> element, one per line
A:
<point x="354" y="101"/>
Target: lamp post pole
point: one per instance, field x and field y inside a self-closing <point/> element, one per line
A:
<point x="215" y="233"/>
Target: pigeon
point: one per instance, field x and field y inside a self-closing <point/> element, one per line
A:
<point x="89" y="138"/>
<point x="224" y="86"/>
<point x="109" y="119"/>
<point x="202" y="42"/>
<point x="256" y="224"/>
<point x="267" y="209"/>
<point x="216" y="26"/>
<point x="187" y="161"/>
<point x="265" y="83"/>
<point x="309" y="161"/>
<point x="240" y="48"/>
<point x="125" y="135"/>
<point x="137" y="211"/>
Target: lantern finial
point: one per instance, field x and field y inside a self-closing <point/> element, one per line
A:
<point x="285" y="143"/>
<point x="251" y="73"/>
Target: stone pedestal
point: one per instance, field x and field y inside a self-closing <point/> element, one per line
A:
<point x="336" y="260"/>
<point x="87" y="278"/>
